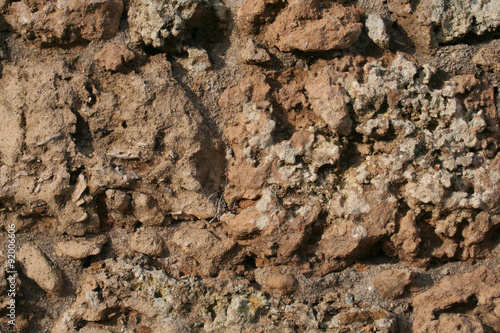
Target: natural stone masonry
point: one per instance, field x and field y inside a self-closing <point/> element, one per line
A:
<point x="251" y="165"/>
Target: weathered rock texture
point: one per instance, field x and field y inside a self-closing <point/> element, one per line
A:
<point x="301" y="25"/>
<point x="251" y="165"/>
<point x="65" y="22"/>
<point x="431" y="23"/>
<point x="37" y="267"/>
<point x="434" y="308"/>
<point x="168" y="25"/>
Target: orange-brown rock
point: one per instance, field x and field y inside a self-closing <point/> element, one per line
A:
<point x="148" y="242"/>
<point x="265" y="216"/>
<point x="40" y="269"/>
<point x="302" y="25"/>
<point x="407" y="240"/>
<point x="254" y="13"/>
<point x="65" y="22"/>
<point x="212" y="165"/>
<point x="113" y="56"/>
<point x="364" y="320"/>
<point x="477" y="294"/>
<point x="277" y="280"/>
<point x="344" y="238"/>
<point x="391" y="283"/>
<point x="81" y="248"/>
<point x="329" y="101"/>
<point x="207" y="248"/>
<point x="488" y="58"/>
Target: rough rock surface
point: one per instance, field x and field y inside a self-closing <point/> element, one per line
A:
<point x="114" y="56"/>
<point x="250" y="165"/>
<point x="431" y="23"/>
<point x="392" y="282"/>
<point x="302" y="25"/>
<point x="167" y="25"/>
<point x="147" y="242"/>
<point x="65" y="22"/>
<point x="377" y="30"/>
<point x="80" y="249"/>
<point x="434" y="307"/>
<point x="37" y="267"/>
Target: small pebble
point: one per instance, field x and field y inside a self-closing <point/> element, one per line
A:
<point x="349" y="298"/>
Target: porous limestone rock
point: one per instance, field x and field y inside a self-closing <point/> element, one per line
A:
<point x="167" y="25"/>
<point x="197" y="60"/>
<point x="377" y="31"/>
<point x="269" y="146"/>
